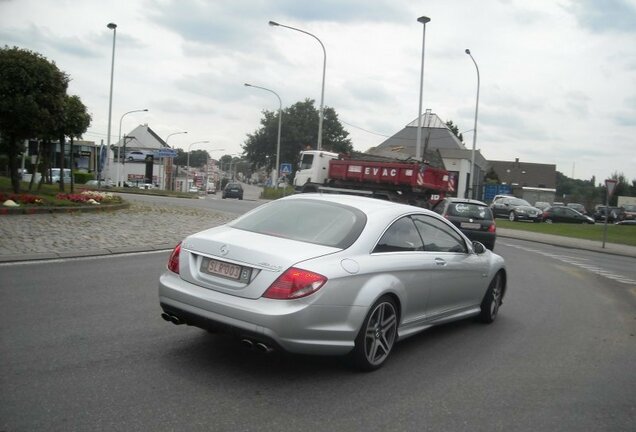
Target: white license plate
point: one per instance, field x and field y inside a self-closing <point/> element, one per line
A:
<point x="467" y="225"/>
<point x="220" y="268"/>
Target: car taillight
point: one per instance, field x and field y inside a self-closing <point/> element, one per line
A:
<point x="492" y="228"/>
<point x="295" y="283"/>
<point x="173" y="261"/>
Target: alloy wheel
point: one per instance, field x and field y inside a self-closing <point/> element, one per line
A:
<point x="380" y="333"/>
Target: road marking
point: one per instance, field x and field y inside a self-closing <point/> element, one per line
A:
<point x="580" y="263"/>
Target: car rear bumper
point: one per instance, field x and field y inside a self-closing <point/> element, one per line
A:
<point x="297" y="326"/>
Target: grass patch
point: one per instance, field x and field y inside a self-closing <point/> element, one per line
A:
<point x="274" y="193"/>
<point x="621" y="234"/>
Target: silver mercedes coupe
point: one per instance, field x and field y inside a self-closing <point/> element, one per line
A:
<point x="331" y="274"/>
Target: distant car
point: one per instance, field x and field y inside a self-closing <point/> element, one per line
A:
<point x="193" y="189"/>
<point x="473" y="218"/>
<point x="578" y="207"/>
<point x="613" y="214"/>
<point x="515" y="209"/>
<point x="233" y="190"/>
<point x="97" y="183"/>
<point x="566" y="215"/>
<point x="136" y="156"/>
<point x="542" y="205"/>
<point x="146" y="186"/>
<point x="211" y="189"/>
<point x="331" y="274"/>
<point x="629" y="212"/>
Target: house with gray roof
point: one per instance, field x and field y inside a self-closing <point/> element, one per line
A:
<point x="438" y="139"/>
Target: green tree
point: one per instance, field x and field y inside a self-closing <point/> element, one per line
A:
<point x="76" y="122"/>
<point x="32" y="91"/>
<point x="299" y="130"/>
<point x="198" y="158"/>
<point x="455" y="130"/>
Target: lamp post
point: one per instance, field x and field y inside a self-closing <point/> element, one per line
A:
<point x="188" y="159"/>
<point x="113" y="27"/>
<point x="418" y="143"/>
<point x="168" y="180"/>
<point x="280" y="116"/>
<point x="119" y="155"/>
<point x="324" y="68"/>
<point x="472" y="154"/>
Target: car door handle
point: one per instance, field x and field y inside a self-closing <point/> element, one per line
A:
<point x="440" y="262"/>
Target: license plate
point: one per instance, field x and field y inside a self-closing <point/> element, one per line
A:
<point x="224" y="269"/>
<point x="467" y="225"/>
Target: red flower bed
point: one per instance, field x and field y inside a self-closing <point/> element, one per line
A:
<point x="21" y="198"/>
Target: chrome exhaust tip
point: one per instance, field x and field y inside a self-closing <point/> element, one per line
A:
<point x="247" y="343"/>
<point x="264" y="348"/>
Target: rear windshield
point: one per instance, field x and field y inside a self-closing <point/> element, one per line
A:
<point x="470" y="211"/>
<point x="318" y="222"/>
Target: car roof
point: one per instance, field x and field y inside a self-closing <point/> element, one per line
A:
<point x="365" y="204"/>
<point x="465" y="200"/>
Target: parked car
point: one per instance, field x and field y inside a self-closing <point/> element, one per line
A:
<point x="146" y="186"/>
<point x="565" y="214"/>
<point x="211" y="188"/>
<point x="331" y="274"/>
<point x="629" y="211"/>
<point x="193" y="189"/>
<point x="106" y="184"/>
<point x="136" y="156"/>
<point x="473" y="218"/>
<point x="233" y="190"/>
<point x="515" y="209"/>
<point x="613" y="214"/>
<point x="578" y="207"/>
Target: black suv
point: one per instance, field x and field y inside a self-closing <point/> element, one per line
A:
<point x="472" y="217"/>
<point x="233" y="190"/>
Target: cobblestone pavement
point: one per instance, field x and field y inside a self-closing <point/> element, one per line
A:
<point x="142" y="226"/>
<point x="147" y="226"/>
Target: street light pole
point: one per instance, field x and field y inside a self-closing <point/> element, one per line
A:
<point x="119" y="155"/>
<point x="280" y="116"/>
<point x="472" y="155"/>
<point x="188" y="160"/>
<point x="418" y="143"/>
<point x="324" y="69"/>
<point x="169" y="167"/>
<point x="113" y="27"/>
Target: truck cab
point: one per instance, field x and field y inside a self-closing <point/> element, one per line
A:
<point x="313" y="169"/>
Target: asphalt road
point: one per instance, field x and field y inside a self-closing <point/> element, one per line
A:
<point x="83" y="348"/>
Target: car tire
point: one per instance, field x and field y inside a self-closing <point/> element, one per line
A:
<point x="378" y="335"/>
<point x="512" y="216"/>
<point x="492" y="300"/>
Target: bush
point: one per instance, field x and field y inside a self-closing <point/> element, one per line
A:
<point x="81" y="178"/>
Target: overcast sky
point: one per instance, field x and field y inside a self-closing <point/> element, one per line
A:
<point x="558" y="77"/>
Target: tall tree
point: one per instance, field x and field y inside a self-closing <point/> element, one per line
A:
<point x="77" y="121"/>
<point x="32" y="91"/>
<point x="299" y="131"/>
<point x="455" y="130"/>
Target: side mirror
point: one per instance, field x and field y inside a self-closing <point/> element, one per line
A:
<point x="479" y="248"/>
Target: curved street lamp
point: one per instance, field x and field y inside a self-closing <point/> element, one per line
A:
<point x="324" y="68"/>
<point x="122" y="160"/>
<point x="280" y="116"/>
<point x="188" y="159"/>
<point x="169" y="181"/>
<point x="418" y="143"/>
<point x="113" y="27"/>
<point x="472" y="154"/>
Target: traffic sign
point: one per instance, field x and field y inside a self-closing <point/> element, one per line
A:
<point x="285" y="169"/>
<point x="165" y="153"/>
